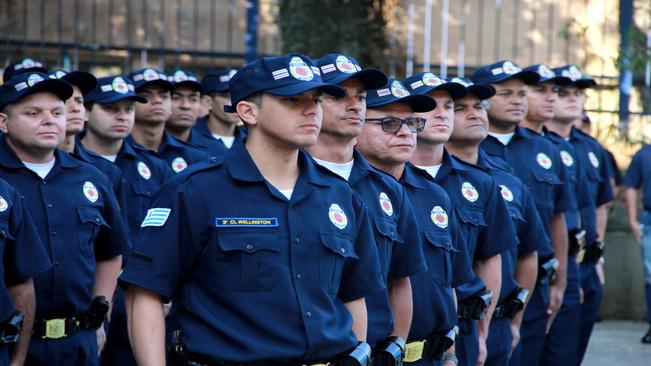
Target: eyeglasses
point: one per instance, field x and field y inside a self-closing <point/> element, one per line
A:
<point x="392" y="124"/>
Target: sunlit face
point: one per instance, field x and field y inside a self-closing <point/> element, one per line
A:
<point x="470" y="120"/>
<point x="389" y="148"/>
<point x="344" y="117"/>
<point x="570" y="103"/>
<point x="542" y="99"/>
<point x="440" y="121"/>
<point x="75" y="112"/>
<point x="509" y="105"/>
<point x="158" y="108"/>
<point x="185" y="108"/>
<point x="111" y="122"/>
<point x="218" y="101"/>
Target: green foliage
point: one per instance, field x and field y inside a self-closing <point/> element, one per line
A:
<point x="636" y="55"/>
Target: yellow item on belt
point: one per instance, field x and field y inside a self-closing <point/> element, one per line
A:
<point x="414" y="351"/>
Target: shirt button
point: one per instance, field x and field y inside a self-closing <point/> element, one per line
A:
<point x="54" y="233"/>
<point x="44" y="182"/>
<point x="308" y="314"/>
<point x="57" y="263"/>
<point x="298" y="276"/>
<point x="97" y="220"/>
<point x="249" y="246"/>
<point x="343" y="250"/>
<point x="49" y="205"/>
<point x="297" y="240"/>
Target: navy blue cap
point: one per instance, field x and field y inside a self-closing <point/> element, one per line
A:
<point x="85" y="81"/>
<point x="425" y="82"/>
<point x="186" y="78"/>
<point x="481" y="91"/>
<point x="217" y="82"/>
<point x="547" y="74"/>
<point x="502" y="71"/>
<point x="285" y="75"/>
<point x="394" y="92"/>
<point x="336" y="68"/>
<point x="578" y="79"/>
<point x="22" y="85"/>
<point x="112" y="89"/>
<point x="25" y="65"/>
<point x="148" y="76"/>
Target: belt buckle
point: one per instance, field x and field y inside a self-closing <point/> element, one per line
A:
<point x="414" y="351"/>
<point x="55" y="328"/>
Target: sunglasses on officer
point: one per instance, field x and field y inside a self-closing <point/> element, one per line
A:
<point x="393" y="124"/>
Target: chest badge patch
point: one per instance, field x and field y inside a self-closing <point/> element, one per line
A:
<point x="337" y="216"/>
<point x="90" y="192"/>
<point x="544" y="160"/>
<point x="566" y="158"/>
<point x="506" y="193"/>
<point x="143" y="170"/>
<point x="385" y="204"/>
<point x="3" y="204"/>
<point x="179" y="164"/>
<point x="469" y="192"/>
<point x="593" y="159"/>
<point x="439" y="217"/>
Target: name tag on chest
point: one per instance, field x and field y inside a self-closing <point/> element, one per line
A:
<point x="246" y="222"/>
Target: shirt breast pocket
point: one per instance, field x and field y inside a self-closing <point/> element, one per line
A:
<point x="547" y="181"/>
<point x="4" y="236"/>
<point x="248" y="261"/>
<point x="336" y="250"/>
<point x="472" y="221"/>
<point x="386" y="236"/>
<point x="90" y="223"/>
<point x="438" y="254"/>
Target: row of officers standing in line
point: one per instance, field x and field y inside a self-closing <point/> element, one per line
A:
<point x="353" y="219"/>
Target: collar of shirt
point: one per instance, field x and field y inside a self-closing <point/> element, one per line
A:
<point x="415" y="177"/>
<point x="361" y="168"/>
<point x="9" y="159"/>
<point x="449" y="165"/>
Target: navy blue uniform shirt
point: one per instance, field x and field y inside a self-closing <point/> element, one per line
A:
<point x="445" y="252"/>
<point x="178" y="154"/>
<point x="202" y="137"/>
<point x="78" y="219"/>
<point x="22" y="252"/>
<point x="484" y="218"/>
<point x="253" y="276"/>
<point x="639" y="175"/>
<point x="399" y="245"/>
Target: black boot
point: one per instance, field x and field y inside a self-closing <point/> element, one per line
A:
<point x="647" y="337"/>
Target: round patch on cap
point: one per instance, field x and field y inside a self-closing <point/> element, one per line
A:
<point x="506" y="193"/>
<point x="337" y="216"/>
<point x="593" y="159"/>
<point x="398" y="90"/>
<point x="3" y="204"/>
<point x="439" y="217"/>
<point x="546" y="72"/>
<point x="300" y="70"/>
<point x="120" y="86"/>
<point x="469" y="192"/>
<point x="544" y="160"/>
<point x="567" y="158"/>
<point x="180" y="76"/>
<point x="28" y="63"/>
<point x="150" y="74"/>
<point x="385" y="204"/>
<point x="345" y="65"/>
<point x="34" y="79"/>
<point x="430" y="79"/>
<point x="575" y="73"/>
<point x="460" y="81"/>
<point x="509" y="68"/>
<point x="143" y="170"/>
<point x="59" y="74"/>
<point x="90" y="191"/>
<point x="178" y="164"/>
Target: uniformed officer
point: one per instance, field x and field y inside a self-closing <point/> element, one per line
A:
<point x="83" y="83"/>
<point x="519" y="265"/>
<point x="391" y="213"/>
<point x="224" y="127"/>
<point x="25" y="65"/>
<point x="638" y="177"/>
<point x="111" y="114"/>
<point x="483" y="215"/>
<point x="149" y="128"/>
<point x="388" y="140"/>
<point x="23" y="258"/>
<point x="598" y="177"/>
<point x="77" y="216"/>
<point x="275" y="260"/>
<point x="536" y="162"/>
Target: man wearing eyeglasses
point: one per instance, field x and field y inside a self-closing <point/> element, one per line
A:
<point x="484" y="218"/>
<point x="388" y="140"/>
<point x="392" y="216"/>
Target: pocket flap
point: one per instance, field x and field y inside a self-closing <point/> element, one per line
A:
<point x="472" y="216"/>
<point x="546" y="177"/>
<point x="250" y="242"/>
<point x="387" y="228"/>
<point x="339" y="244"/>
<point x="91" y="215"/>
<point x="439" y="239"/>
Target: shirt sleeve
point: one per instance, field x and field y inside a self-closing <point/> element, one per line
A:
<point x="461" y="269"/>
<point x="633" y="178"/>
<point x="532" y="233"/>
<point x="112" y="240"/>
<point x="407" y="257"/>
<point x="564" y="199"/>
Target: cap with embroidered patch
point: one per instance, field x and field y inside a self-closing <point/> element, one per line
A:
<point x="284" y="75"/>
<point x="547" y="74"/>
<point x="481" y="91"/>
<point x="184" y="78"/>
<point x="217" y="82"/>
<point x="578" y="79"/>
<point x="112" y="89"/>
<point x="85" y="81"/>
<point x="336" y="68"/>
<point x="502" y="71"/>
<point x="22" y="85"/>
<point x="25" y="65"/>
<point x="149" y="76"/>
<point x="395" y="92"/>
<point x="425" y="82"/>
